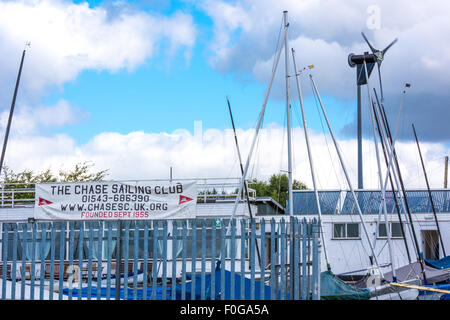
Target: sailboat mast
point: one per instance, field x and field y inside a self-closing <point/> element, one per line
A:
<point x="288" y="111"/>
<point x="11" y="112"/>
<point x="383" y="190"/>
<point x="429" y="192"/>
<point x="405" y="200"/>
<point x="242" y="172"/>
<point x="311" y="164"/>
<point x="255" y="137"/>
<point x="397" y="207"/>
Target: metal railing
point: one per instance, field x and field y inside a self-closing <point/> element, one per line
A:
<point x="162" y="260"/>
<point x="14" y="195"/>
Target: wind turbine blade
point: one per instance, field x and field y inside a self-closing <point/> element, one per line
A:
<point x="371" y="48"/>
<point x="387" y="48"/>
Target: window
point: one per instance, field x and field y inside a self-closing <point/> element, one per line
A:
<point x="396" y="230"/>
<point x="346" y="231"/>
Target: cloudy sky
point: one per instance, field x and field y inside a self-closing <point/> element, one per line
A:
<point x="137" y="87"/>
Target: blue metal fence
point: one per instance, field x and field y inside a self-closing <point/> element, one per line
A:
<point x="161" y="260"/>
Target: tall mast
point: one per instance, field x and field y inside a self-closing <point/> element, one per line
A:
<point x="311" y="164"/>
<point x="288" y="111"/>
<point x="359" y="133"/>
<point x="429" y="192"/>
<point x="255" y="137"/>
<point x="11" y="112"/>
<point x="242" y="172"/>
<point x="383" y="192"/>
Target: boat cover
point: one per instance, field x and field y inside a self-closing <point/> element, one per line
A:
<point x="414" y="271"/>
<point x="333" y="288"/>
<point x="217" y="287"/>
<point x="112" y="293"/>
<point x="441" y="264"/>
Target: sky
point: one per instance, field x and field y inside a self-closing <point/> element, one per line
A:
<point x="141" y="86"/>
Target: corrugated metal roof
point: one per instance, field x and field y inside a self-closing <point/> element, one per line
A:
<point x="305" y="202"/>
<point x="370" y="201"/>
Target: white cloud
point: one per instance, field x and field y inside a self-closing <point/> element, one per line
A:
<point x="324" y="32"/>
<point x="29" y="120"/>
<point x="140" y="155"/>
<point x="68" y="38"/>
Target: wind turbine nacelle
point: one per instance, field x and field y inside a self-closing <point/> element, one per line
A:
<point x="355" y="59"/>
<point x="358" y="62"/>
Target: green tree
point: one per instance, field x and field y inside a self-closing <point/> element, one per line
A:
<point x="277" y="187"/>
<point x="25" y="181"/>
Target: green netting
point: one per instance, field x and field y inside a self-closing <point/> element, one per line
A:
<point x="333" y="288"/>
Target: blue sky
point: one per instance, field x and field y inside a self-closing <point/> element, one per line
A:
<point x="168" y="92"/>
<point x="106" y="79"/>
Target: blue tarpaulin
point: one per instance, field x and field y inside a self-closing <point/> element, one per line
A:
<point x="441" y="264"/>
<point x="130" y="293"/>
<point x="218" y="291"/>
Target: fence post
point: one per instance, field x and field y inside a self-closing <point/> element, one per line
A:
<point x="295" y="263"/>
<point x="174" y="258"/>
<point x="304" y="282"/>
<point x="42" y="271"/>
<point x="71" y="253"/>
<point x="135" y="258"/>
<point x="203" y="262"/>
<point x="164" y="261"/>
<point x="183" y="261"/>
<point x="33" y="260"/>
<point x="52" y="259"/>
<point x="263" y="259"/>
<point x="194" y="258"/>
<point x="118" y="271"/>
<point x="62" y="242"/>
<point x="99" y="258"/>
<point x="233" y="260"/>
<point x="252" y="259"/>
<point x="283" y="260"/>
<point x="155" y="259"/>
<point x="243" y="239"/>
<point x="213" y="260"/>
<point x="222" y="261"/>
<point x="273" y="292"/>
<point x="145" y="273"/>
<point x="24" y="260"/>
<point x="108" y="263"/>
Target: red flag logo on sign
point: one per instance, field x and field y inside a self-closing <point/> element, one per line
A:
<point x="184" y="199"/>
<point x="44" y="202"/>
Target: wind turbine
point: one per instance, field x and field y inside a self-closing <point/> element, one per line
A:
<point x="376" y="57"/>
<point x="379" y="54"/>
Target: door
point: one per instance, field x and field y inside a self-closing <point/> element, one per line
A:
<point x="430" y="244"/>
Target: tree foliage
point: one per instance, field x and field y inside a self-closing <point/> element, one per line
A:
<point x="277" y="187"/>
<point x="26" y="179"/>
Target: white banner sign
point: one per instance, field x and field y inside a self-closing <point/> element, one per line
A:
<point x="115" y="200"/>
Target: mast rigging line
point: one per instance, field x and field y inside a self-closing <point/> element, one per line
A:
<point x="382" y="133"/>
<point x="429" y="192"/>
<point x="242" y="172"/>
<point x="382" y="186"/>
<point x="311" y="163"/>
<point x="258" y="127"/>
<point x="405" y="200"/>
<point x="397" y="207"/>
<point x="346" y="175"/>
